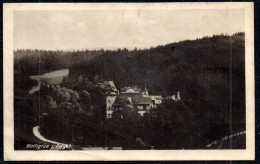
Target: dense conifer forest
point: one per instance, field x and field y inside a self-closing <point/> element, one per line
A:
<point x="199" y="69"/>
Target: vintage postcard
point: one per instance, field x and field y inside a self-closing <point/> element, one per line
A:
<point x="129" y="81"/>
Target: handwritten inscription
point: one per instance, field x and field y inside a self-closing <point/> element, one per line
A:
<point x="49" y="147"/>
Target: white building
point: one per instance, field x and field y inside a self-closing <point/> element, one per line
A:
<point x="109" y="106"/>
<point x="141" y="101"/>
<point x="157" y="100"/>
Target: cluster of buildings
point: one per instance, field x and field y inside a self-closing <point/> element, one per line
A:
<point x="135" y="98"/>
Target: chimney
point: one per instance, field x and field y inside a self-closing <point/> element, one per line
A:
<point x="178" y="96"/>
<point x="146" y="90"/>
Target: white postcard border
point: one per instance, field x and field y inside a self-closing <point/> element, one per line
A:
<point x="113" y="155"/>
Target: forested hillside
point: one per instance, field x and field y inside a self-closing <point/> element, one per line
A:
<point x="36" y="62"/>
<point x="200" y="69"/>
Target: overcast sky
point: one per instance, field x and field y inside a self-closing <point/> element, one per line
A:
<point x="67" y="30"/>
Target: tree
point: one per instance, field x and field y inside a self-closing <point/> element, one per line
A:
<point x="51" y="103"/>
<point x="169" y="126"/>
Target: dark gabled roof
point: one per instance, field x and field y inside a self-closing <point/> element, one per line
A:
<point x="137" y="98"/>
<point x="108" y="86"/>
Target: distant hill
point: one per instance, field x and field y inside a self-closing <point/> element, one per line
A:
<point x="37" y="62"/>
<point x="200" y="69"/>
<point x="209" y="56"/>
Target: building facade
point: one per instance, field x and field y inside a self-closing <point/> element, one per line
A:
<point x="134" y="97"/>
<point x="157" y="100"/>
<point x="109" y="106"/>
<point x="140" y="101"/>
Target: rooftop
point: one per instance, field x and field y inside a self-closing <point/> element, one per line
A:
<point x="108" y="85"/>
<point x="137" y="98"/>
<point x="156" y="97"/>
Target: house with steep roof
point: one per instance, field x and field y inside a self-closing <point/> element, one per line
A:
<point x="108" y="87"/>
<point x="133" y="89"/>
<point x="132" y="97"/>
<point x="140" y="102"/>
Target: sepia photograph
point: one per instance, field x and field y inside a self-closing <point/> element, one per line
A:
<point x="119" y="77"/>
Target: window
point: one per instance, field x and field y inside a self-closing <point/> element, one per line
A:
<point x="140" y="107"/>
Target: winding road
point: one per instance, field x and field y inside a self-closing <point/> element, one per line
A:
<point x="42" y="138"/>
<point x="39" y="136"/>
